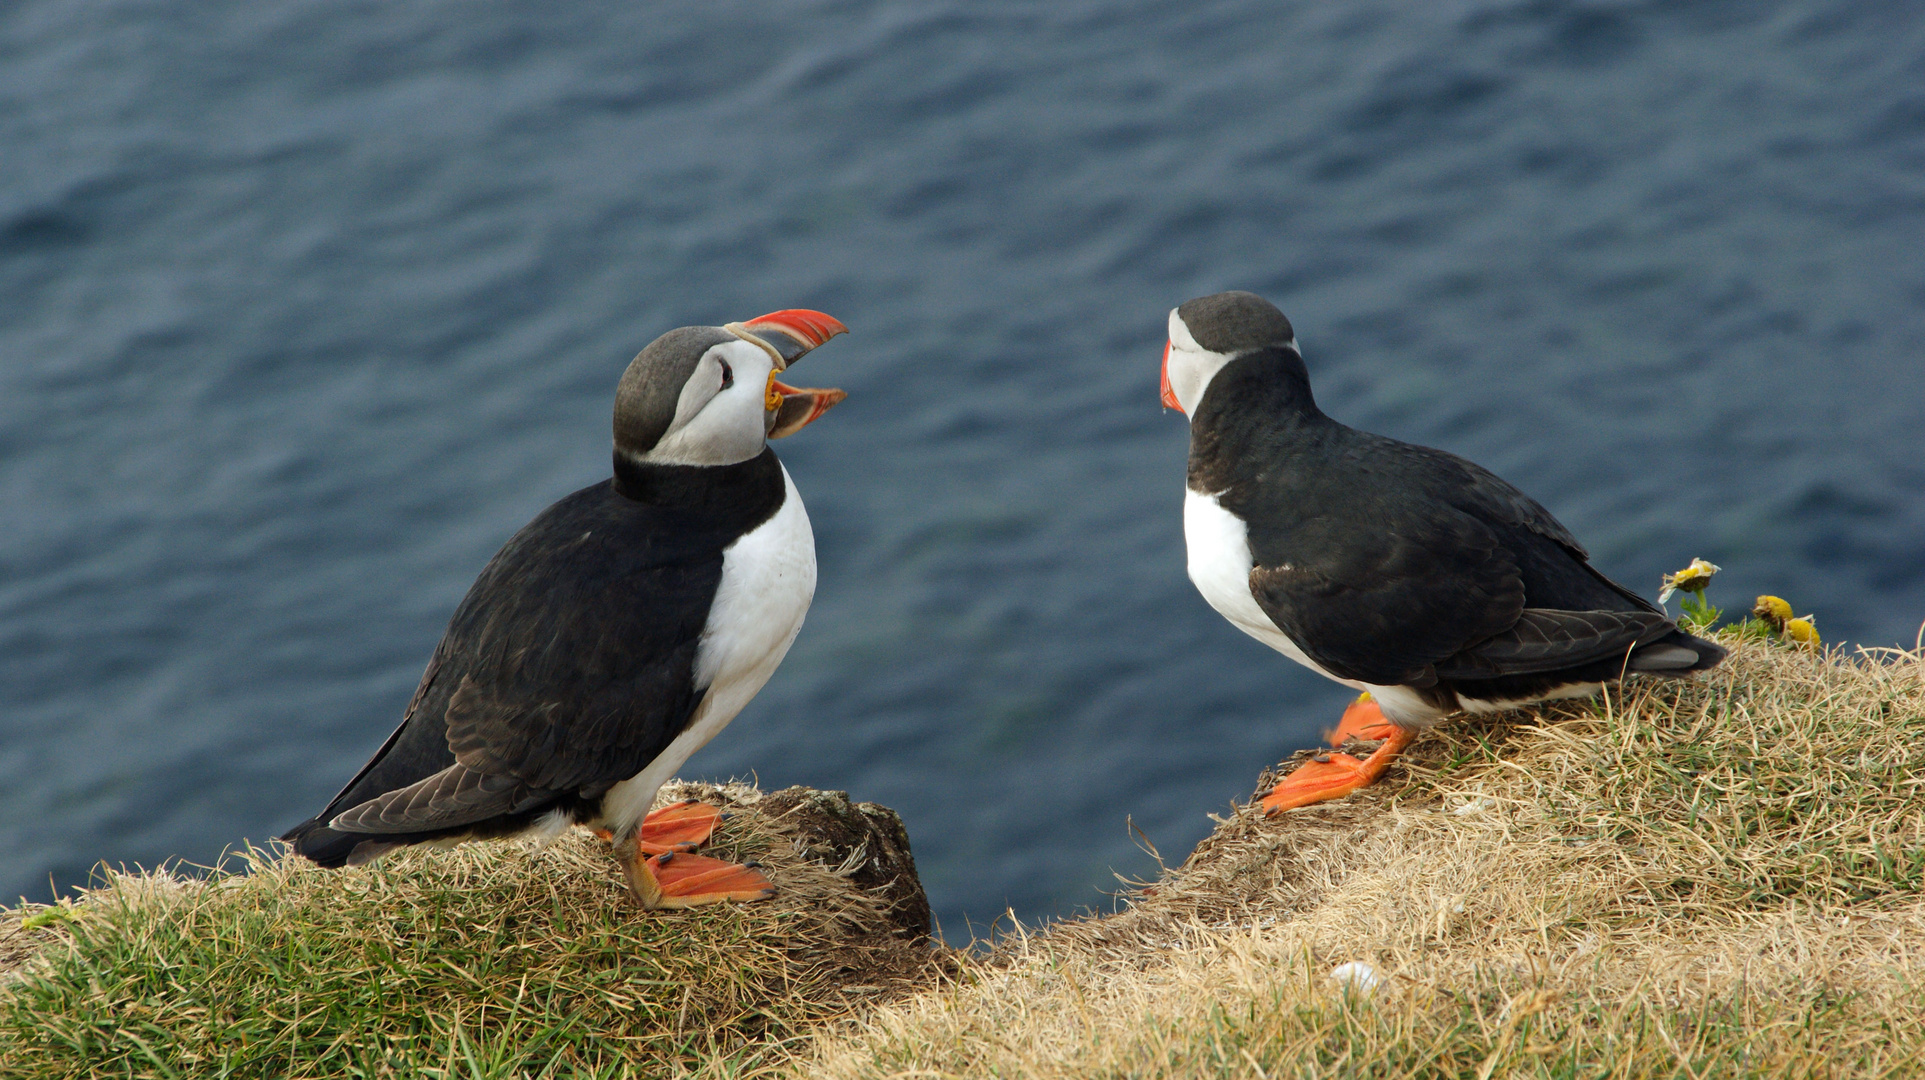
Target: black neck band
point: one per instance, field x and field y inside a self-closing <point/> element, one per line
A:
<point x="700" y="487"/>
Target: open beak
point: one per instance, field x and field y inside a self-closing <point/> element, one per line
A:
<point x="1169" y="395"/>
<point x="792" y="408"/>
<point x="787" y="335"/>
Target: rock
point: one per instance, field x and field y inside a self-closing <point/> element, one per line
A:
<point x="1356" y="975"/>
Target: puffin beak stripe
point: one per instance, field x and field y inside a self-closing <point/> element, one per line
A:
<point x="811" y="328"/>
<point x="1169" y="395"/>
<point x="800" y="330"/>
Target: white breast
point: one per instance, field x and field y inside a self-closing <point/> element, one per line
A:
<point x="1220" y="564"/>
<point x="768" y="579"/>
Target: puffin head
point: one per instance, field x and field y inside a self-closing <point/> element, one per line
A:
<point x="1209" y="332"/>
<point x="708" y="395"/>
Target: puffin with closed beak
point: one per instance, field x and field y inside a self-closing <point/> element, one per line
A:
<point x="617" y="632"/>
<point x="1405" y="572"/>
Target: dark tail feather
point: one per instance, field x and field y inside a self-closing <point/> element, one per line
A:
<point x="325" y="847"/>
<point x="1676" y="653"/>
<point x="333" y="848"/>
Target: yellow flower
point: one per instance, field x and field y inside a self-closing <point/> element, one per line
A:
<point x="1803" y="632"/>
<point x="1692" y="578"/>
<point x="1773" y="611"/>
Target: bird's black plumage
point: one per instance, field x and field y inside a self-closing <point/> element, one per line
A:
<point x="568" y="667"/>
<point x="1394" y="564"/>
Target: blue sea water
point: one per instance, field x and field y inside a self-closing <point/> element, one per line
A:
<point x="306" y="306"/>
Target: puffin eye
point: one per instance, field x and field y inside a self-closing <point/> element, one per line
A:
<point x="728" y="374"/>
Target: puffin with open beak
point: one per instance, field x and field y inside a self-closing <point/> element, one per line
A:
<point x="617" y="632"/>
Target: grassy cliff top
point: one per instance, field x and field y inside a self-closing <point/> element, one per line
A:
<point x="489" y="960"/>
<point x="1721" y="877"/>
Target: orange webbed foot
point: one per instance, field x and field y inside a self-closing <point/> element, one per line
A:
<point x="1362" y="720"/>
<point x="680" y="880"/>
<point x="682" y="826"/>
<point x="1332" y="776"/>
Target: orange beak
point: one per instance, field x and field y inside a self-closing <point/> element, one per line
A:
<point x="804" y="329"/>
<point x="796" y="407"/>
<point x="787" y="335"/>
<point x="1169" y="395"/>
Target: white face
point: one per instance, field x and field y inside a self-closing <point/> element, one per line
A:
<point x="721" y="417"/>
<point x="1191" y="366"/>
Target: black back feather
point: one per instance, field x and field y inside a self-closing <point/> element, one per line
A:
<point x="567" y="668"/>
<point x="1396" y="564"/>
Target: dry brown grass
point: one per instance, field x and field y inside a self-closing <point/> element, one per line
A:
<point x="488" y="960"/>
<point x="1715" y="878"/>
